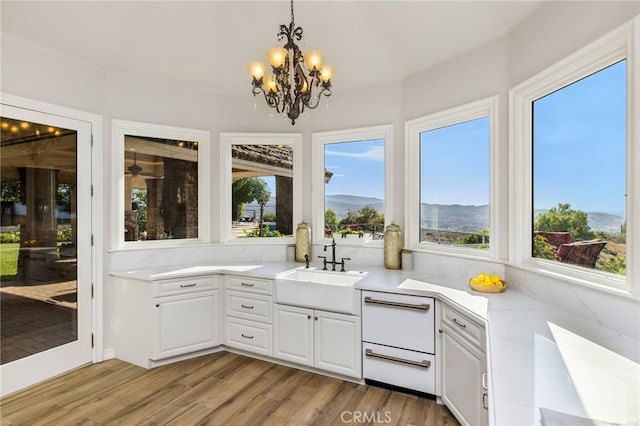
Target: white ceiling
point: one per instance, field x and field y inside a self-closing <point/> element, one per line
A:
<point x="207" y="44"/>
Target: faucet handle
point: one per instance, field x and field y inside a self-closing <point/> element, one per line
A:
<point x="306" y="261"/>
<point x="324" y="262"/>
<point x="342" y="263"/>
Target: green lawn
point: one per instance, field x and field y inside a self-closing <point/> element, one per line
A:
<point x="8" y="261"/>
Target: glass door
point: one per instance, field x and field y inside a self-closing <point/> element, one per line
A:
<point x="45" y="246"/>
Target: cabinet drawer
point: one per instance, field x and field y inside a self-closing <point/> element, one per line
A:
<point x="399" y="320"/>
<point x="248" y="306"/>
<point x="399" y="367"/>
<point x="462" y="324"/>
<point x="248" y="335"/>
<point x="253" y="285"/>
<point x="186" y="285"/>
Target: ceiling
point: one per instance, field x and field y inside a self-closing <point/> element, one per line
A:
<point x="207" y="44"/>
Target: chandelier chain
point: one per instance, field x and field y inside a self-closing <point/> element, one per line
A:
<point x="292" y="18"/>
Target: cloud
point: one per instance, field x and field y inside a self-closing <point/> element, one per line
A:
<point x="375" y="153"/>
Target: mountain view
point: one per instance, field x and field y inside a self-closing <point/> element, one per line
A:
<point x="453" y="217"/>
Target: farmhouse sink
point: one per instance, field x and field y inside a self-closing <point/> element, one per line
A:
<point x="318" y="289"/>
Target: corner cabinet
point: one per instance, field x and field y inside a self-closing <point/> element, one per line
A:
<point x="325" y="340"/>
<point x="464" y="367"/>
<point x="156" y="321"/>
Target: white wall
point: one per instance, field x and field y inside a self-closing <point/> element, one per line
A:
<point x="553" y="31"/>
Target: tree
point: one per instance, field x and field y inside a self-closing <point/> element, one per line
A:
<point x="366" y="215"/>
<point x="262" y="196"/>
<point x="139" y="196"/>
<point x="564" y="219"/>
<point x="10" y="191"/>
<point x="245" y="190"/>
<point x="330" y="217"/>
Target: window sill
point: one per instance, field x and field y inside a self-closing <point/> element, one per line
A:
<point x="596" y="281"/>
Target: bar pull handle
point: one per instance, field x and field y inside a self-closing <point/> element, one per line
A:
<point x="420" y="307"/>
<point x="484" y="381"/>
<point x="484" y="401"/>
<point x="246" y="337"/>
<point x="247" y="306"/>
<point x="187" y="285"/>
<point x="460" y="323"/>
<point x="246" y="284"/>
<point x="423" y="364"/>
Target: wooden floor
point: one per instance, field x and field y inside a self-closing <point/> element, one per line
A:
<point x="217" y="389"/>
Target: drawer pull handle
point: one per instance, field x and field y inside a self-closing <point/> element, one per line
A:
<point x="485" y="403"/>
<point x="421" y="307"/>
<point x="460" y="323"/>
<point x="246" y="284"/>
<point x="484" y="381"/>
<point x="424" y="364"/>
<point x="246" y="337"/>
<point x="187" y="285"/>
<point x="247" y="306"/>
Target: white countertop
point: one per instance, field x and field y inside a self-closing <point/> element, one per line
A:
<point x="537" y="356"/>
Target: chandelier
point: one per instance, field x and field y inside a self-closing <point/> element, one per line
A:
<point x="291" y="88"/>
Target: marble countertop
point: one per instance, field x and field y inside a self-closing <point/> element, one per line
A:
<point x="537" y="355"/>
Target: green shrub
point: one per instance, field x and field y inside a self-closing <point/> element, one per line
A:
<point x="10" y="237"/>
<point x="542" y="249"/>
<point x="616" y="265"/>
<point x="65" y="235"/>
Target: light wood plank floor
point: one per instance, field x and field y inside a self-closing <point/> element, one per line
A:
<point x="217" y="389"/>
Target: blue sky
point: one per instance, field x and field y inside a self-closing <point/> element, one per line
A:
<point x="455" y="164"/>
<point x="358" y="168"/>
<point x="579" y="153"/>
<point x="579" y="144"/>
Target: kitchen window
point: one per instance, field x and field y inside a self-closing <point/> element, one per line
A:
<point x="351" y="195"/>
<point x="162" y="182"/>
<point x="260" y="187"/>
<point x="575" y="162"/>
<point x="449" y="179"/>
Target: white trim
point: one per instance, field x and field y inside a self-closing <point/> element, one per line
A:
<point x="621" y="43"/>
<point x="318" y="142"/>
<point x="224" y="213"/>
<point x="120" y="128"/>
<point x="487" y="107"/>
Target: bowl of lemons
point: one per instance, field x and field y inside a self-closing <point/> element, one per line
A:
<point x="487" y="283"/>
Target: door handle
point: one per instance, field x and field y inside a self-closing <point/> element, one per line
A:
<point x="421" y="307"/>
<point x="423" y="364"/>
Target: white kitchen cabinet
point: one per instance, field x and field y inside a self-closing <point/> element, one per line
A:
<point x="464" y="367"/>
<point x="324" y="340"/>
<point x="186" y="324"/>
<point x="248" y="317"/>
<point x="157" y="320"/>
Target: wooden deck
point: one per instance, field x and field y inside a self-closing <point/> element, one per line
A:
<point x="217" y="389"/>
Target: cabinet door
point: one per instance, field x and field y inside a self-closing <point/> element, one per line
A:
<point x="337" y="343"/>
<point x="293" y="334"/>
<point x="186" y="323"/>
<point x="463" y="368"/>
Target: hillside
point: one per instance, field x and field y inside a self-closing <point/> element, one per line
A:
<point x="454" y="217"/>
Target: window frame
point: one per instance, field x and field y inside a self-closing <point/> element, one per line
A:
<point x="621" y="43"/>
<point x="122" y="128"/>
<point x="229" y="139"/>
<point x="318" y="141"/>
<point x="487" y="107"/>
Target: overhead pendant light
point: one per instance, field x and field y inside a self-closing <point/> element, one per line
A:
<point x="292" y="87"/>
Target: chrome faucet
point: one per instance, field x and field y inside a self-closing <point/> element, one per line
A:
<point x="333" y="257"/>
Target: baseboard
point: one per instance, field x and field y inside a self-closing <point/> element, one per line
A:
<point x="108" y="354"/>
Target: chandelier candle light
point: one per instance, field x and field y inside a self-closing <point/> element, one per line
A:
<point x="290" y="90"/>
